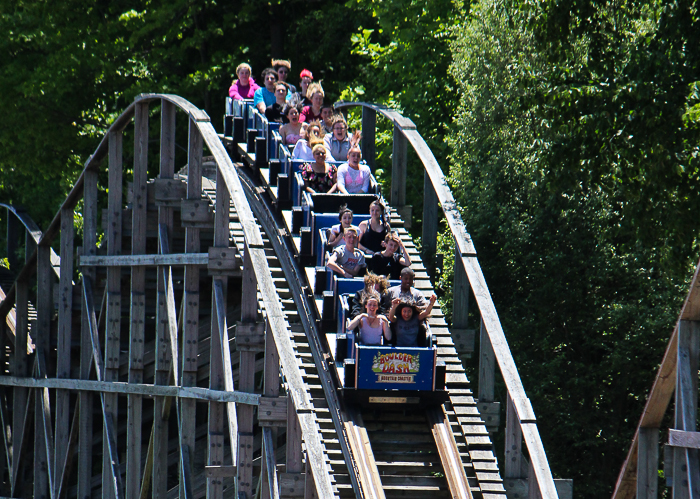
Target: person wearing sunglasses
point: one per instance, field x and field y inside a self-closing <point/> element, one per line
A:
<point x="283" y="69"/>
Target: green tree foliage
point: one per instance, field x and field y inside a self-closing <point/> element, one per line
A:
<point x="68" y="69"/>
<point x="405" y="56"/>
<point x="578" y="179"/>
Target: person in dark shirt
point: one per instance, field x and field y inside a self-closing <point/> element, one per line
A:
<point x="407" y="320"/>
<point x="391" y="261"/>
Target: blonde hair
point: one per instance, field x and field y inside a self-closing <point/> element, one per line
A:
<point x="355" y="141"/>
<point x="313" y="88"/>
<point x="276" y="63"/>
<point x="242" y="66"/>
<point x="314" y="137"/>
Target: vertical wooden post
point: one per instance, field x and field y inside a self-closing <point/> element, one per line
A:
<point x="533" y="488"/>
<point x="86" y="419"/>
<point x="13" y="228"/>
<point x="399" y="158"/>
<point x="648" y="463"/>
<point x="159" y="480"/>
<point x="215" y="454"/>
<point x="190" y="329"/>
<point x="21" y="395"/>
<point x="63" y="349"/>
<point x="271" y="378"/>
<point x="686" y="406"/>
<point x="138" y="301"/>
<point x="487" y="367"/>
<point x="430" y="220"/>
<point x="113" y="231"/>
<point x="42" y="342"/>
<point x="513" y="442"/>
<point x="460" y="300"/>
<point x="294" y="453"/>
<point x="246" y="382"/>
<point x="369" y="128"/>
<point x="310" y="490"/>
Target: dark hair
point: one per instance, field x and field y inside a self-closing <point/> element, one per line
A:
<point x="269" y="71"/>
<point x="370" y="295"/>
<point x="377" y="202"/>
<point x="288" y="107"/>
<point x="408" y="270"/>
<point x="343" y="210"/>
<point x="406" y="304"/>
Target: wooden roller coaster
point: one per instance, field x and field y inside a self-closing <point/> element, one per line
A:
<point x="179" y="349"/>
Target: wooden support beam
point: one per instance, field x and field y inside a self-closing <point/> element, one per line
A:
<point x="190" y="329"/>
<point x="399" y="161"/>
<point x="487" y="366"/>
<point x="460" y="302"/>
<point x="246" y="381"/>
<point x="113" y="232"/>
<point x="138" y="301"/>
<point x="115" y="482"/>
<point x="231" y="410"/>
<point x="430" y="221"/>
<point x="63" y="348"/>
<point x="166" y="315"/>
<point x="274" y="412"/>
<point x="20" y="396"/>
<point x="293" y="449"/>
<point x="369" y="127"/>
<point x="86" y="354"/>
<point x="648" y="464"/>
<point x="686" y="466"/>
<point x="513" y="443"/>
<point x="43" y="456"/>
<point x="270" y="464"/>
<point x="146" y="390"/>
<point x="145" y="260"/>
<point x="217" y="372"/>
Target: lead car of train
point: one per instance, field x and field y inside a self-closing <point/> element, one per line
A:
<point x="367" y="374"/>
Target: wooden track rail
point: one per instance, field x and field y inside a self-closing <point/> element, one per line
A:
<point x="438" y="195"/>
<point x="147" y="341"/>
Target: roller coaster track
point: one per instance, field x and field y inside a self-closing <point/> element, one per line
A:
<point x="195" y="306"/>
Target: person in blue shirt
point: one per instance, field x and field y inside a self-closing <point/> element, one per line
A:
<point x="265" y="96"/>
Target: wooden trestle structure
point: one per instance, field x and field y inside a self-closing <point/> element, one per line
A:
<point x="677" y="374"/>
<point x="128" y="348"/>
<point x="133" y="363"/>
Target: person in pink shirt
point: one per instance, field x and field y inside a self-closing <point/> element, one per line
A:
<point x="244" y="86"/>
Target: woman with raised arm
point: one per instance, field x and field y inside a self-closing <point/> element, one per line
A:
<point x="353" y="178"/>
<point x="374" y="230"/>
<point x="408" y="319"/>
<point x="244" y="86"/>
<point x="291" y="132"/>
<point x="374" y="328"/>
